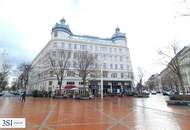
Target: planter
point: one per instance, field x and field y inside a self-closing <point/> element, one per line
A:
<point x="142" y="95"/>
<point x="84" y="98"/>
<point x="59" y="97"/>
<point x="180" y="97"/>
<point x="178" y="102"/>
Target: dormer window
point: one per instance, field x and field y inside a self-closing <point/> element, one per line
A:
<point x="55" y="34"/>
<point x="54" y="44"/>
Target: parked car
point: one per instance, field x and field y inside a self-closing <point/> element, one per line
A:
<point x="153" y="92"/>
<point x="146" y="92"/>
<point x="167" y="93"/>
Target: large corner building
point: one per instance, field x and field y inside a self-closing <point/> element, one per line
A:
<point x="113" y="54"/>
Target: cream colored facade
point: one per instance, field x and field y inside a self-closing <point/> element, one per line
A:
<point x="113" y="55"/>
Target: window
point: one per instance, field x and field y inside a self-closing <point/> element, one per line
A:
<point x="114" y="75"/>
<point x="70" y="46"/>
<point x="127" y="67"/>
<point x="111" y="66"/>
<point x="121" y="58"/>
<point x="92" y="75"/>
<point x="105" y="74"/>
<point x="121" y="67"/>
<point x="68" y="65"/>
<point x="96" y="56"/>
<point x="54" y="44"/>
<point x="50" y="82"/>
<point x="74" y="64"/>
<point x="115" y="66"/>
<point x="104" y="57"/>
<point x="69" y="54"/>
<point x="51" y="73"/>
<point x="80" y="83"/>
<point x="110" y="50"/>
<point x="111" y="58"/>
<point x="96" y="65"/>
<point x="102" y="49"/>
<point x="83" y="47"/>
<point x="62" y="44"/>
<point x="91" y="47"/>
<point x="122" y="75"/>
<point x="71" y="83"/>
<point x="55" y="34"/>
<point x="104" y="66"/>
<point x="120" y="50"/>
<point x="75" y="55"/>
<point x="75" y="46"/>
<point x="96" y="48"/>
<point x="54" y="53"/>
<point x="53" y="63"/>
<point x="115" y="49"/>
<point x="115" y="58"/>
<point x="70" y="74"/>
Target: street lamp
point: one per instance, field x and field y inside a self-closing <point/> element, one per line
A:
<point x="102" y="94"/>
<point x="101" y="77"/>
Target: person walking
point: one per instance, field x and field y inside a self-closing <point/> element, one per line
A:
<point x="23" y="96"/>
<point x="49" y="94"/>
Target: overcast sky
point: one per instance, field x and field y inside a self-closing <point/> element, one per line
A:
<point x="25" y="25"/>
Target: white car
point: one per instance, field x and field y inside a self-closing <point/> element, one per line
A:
<point x="146" y="92"/>
<point x="7" y="94"/>
<point x="153" y="92"/>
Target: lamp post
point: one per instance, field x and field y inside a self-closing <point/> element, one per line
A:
<point x="102" y="94"/>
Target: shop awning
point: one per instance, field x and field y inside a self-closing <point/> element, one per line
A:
<point x="69" y="86"/>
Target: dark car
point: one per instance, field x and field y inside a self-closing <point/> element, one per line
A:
<point x="167" y="93"/>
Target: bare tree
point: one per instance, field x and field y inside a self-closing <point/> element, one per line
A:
<point x="171" y="59"/>
<point x="4" y="76"/>
<point x="141" y="73"/>
<point x="24" y="69"/>
<point x="170" y="81"/>
<point x="86" y="65"/>
<point x="59" y="65"/>
<point x="14" y="85"/>
<point x="139" y="80"/>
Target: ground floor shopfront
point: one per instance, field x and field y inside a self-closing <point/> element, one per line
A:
<point x="94" y="88"/>
<point x="111" y="87"/>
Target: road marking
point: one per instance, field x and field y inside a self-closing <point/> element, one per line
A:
<point x="75" y="124"/>
<point x="115" y="121"/>
<point x="44" y="123"/>
<point x="120" y="121"/>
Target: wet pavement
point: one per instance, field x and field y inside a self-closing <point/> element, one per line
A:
<point x="113" y="113"/>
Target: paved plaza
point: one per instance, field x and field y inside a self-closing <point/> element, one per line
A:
<point x="113" y="113"/>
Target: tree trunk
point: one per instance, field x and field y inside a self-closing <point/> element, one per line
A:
<point x="181" y="84"/>
<point x="60" y="84"/>
<point x="25" y="86"/>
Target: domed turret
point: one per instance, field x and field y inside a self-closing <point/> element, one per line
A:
<point x="118" y="35"/>
<point x="61" y="27"/>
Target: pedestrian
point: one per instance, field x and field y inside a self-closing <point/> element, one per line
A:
<point x="23" y="96"/>
<point x="20" y="98"/>
<point x="49" y="93"/>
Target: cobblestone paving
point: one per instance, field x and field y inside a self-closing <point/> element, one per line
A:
<point x="112" y="113"/>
